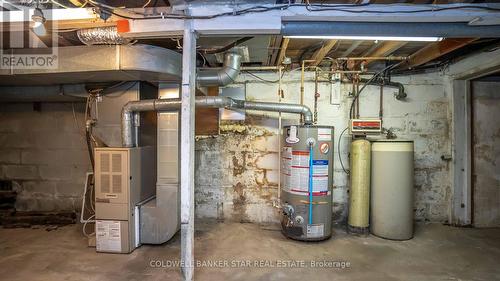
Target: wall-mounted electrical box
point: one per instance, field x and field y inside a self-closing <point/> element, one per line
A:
<point x="123" y="178"/>
<point x="365" y="126"/>
<point x="336" y="89"/>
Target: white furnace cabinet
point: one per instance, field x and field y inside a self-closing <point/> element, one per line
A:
<point x="124" y="178"/>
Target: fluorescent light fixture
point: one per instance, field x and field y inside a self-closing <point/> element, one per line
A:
<point x="369" y="38"/>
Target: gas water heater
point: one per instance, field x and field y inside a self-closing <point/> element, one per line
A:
<point x="307" y="179"/>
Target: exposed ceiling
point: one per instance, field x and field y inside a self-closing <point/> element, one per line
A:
<point x="271" y="50"/>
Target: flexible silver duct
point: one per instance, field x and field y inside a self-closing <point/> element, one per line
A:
<point x="129" y="110"/>
<point x="221" y="76"/>
<point x="101" y="36"/>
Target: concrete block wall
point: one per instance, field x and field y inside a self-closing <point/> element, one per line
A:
<point x="237" y="171"/>
<point x="44" y="154"/>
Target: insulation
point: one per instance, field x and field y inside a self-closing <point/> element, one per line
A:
<point x="101" y="36"/>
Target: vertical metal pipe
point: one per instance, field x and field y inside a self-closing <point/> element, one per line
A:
<point x="357" y="100"/>
<point x="354" y="96"/>
<point x="316" y="96"/>
<point x="302" y="73"/>
<point x="311" y="183"/>
<point x="280" y="93"/>
<point x="381" y="109"/>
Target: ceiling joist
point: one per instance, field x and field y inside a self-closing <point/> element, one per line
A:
<point x="434" y="51"/>
<point x="384" y="49"/>
<point x="321" y="53"/>
<point x="282" y="53"/>
<point x="274" y="49"/>
<point x="351" y="49"/>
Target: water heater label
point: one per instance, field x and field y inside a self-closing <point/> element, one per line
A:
<point x="108" y="236"/>
<point x="315" y="230"/>
<point x="324" y="134"/>
<point x="324" y="147"/>
<point x="320" y="177"/>
<point x="299" y="170"/>
<point x="300" y="159"/>
<point x="295" y="170"/>
<point x="286" y="167"/>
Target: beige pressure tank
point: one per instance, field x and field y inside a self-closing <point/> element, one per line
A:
<point x="359" y="195"/>
<point x="391" y="215"/>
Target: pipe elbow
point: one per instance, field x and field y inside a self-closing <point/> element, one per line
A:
<point x="223" y="76"/>
<point x="127" y="109"/>
<point x="308" y="115"/>
<point x="228" y="75"/>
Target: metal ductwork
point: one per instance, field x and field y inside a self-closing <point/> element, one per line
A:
<point x="55" y="93"/>
<point x="128" y="111"/>
<point x="221" y="76"/>
<point x="101" y="36"/>
<point x="96" y="64"/>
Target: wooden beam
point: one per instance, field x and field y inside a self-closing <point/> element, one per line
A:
<point x="320" y="54"/>
<point x="284" y="45"/>
<point x="434" y="51"/>
<point x="274" y="49"/>
<point x="384" y="49"/>
<point x="351" y="49"/>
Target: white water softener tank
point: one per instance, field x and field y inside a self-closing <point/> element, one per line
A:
<point x="306" y="180"/>
<point x="392" y="189"/>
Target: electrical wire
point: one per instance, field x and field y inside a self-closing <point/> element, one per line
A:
<point x="262" y="79"/>
<point x="309" y="7"/>
<point x="89" y="220"/>
<point x="88" y="134"/>
<point x="59" y="4"/>
<point x="388" y="68"/>
<point x="146" y="4"/>
<point x="338" y="150"/>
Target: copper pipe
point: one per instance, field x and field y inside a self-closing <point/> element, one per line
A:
<point x="374" y="58"/>
<point x="260" y="68"/>
<point x="357" y="100"/>
<point x="302" y="73"/>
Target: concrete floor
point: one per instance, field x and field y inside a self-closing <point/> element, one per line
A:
<point x="436" y="253"/>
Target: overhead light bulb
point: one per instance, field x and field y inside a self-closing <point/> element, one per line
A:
<point x="38" y="22"/>
<point x="40" y="30"/>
